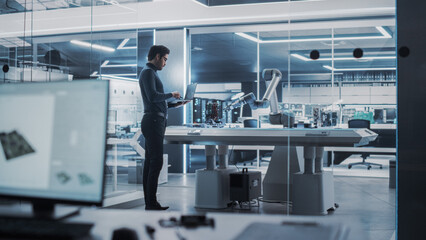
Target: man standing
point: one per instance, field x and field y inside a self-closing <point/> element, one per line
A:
<point x="154" y="122"/>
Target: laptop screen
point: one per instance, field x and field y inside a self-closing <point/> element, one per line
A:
<point x="190" y="91"/>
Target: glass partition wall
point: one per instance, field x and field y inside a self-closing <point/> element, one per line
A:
<point x="332" y="72"/>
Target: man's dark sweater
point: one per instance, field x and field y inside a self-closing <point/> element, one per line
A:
<point x="154" y="98"/>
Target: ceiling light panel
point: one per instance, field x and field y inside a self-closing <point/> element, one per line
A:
<point x="127" y="44"/>
<point x="95" y="46"/>
<point x="113" y="77"/>
<point x="381" y="33"/>
<point x="107" y="64"/>
<point x="14" y="42"/>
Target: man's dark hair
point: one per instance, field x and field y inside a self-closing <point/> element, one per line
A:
<point x="157" y="49"/>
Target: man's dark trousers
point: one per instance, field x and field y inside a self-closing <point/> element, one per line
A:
<point x="153" y="129"/>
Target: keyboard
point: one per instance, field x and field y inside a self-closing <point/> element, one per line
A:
<point x="17" y="227"/>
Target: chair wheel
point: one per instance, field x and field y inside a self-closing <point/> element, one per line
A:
<point x="368" y="168"/>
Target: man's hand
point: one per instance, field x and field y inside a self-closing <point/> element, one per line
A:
<point x="176" y="94"/>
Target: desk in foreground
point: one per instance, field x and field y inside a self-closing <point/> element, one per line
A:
<point x="312" y="191"/>
<point x="227" y="225"/>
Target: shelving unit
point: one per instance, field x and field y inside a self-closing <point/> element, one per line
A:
<point x="368" y="78"/>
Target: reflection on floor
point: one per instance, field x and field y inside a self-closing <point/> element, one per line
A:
<point x="366" y="200"/>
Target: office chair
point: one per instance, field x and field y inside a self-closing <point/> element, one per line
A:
<point x="362" y="123"/>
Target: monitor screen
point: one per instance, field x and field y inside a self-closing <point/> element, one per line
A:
<point x="378" y="115"/>
<point x="53" y="142"/>
<point x="390" y="114"/>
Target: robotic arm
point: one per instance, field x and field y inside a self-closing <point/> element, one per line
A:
<point x="272" y="78"/>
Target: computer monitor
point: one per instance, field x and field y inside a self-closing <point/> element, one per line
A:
<point x="53" y="142"/>
<point x="378" y="115"/>
<point x="390" y="115"/>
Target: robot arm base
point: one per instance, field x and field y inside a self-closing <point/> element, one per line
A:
<point x="287" y="120"/>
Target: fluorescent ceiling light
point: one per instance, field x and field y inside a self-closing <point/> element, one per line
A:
<point x="196" y="49"/>
<point x="124" y="74"/>
<point x="123" y="43"/>
<point x="301" y="57"/>
<point x="105" y="65"/>
<point x="195" y="1"/>
<point x="384" y="35"/>
<point x="14" y="42"/>
<point x="19" y="56"/>
<point x="244" y="35"/>
<point x="112" y="76"/>
<point x="96" y="46"/>
<point x="115" y="3"/>
<point x="108" y="76"/>
<point x="384" y="32"/>
<point x="358" y="69"/>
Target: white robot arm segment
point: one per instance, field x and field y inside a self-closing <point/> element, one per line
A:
<point x="272" y="75"/>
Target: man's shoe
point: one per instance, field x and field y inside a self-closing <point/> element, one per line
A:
<point x="156" y="207"/>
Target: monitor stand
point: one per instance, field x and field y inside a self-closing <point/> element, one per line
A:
<point x="46" y="210"/>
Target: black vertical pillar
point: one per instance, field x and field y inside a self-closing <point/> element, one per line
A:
<point x="411" y="39"/>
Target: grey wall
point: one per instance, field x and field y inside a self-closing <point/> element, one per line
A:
<point x="411" y="116"/>
<point x="173" y="80"/>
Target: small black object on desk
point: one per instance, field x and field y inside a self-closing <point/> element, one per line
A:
<point x="124" y="234"/>
<point x="194" y="221"/>
<point x="150" y="231"/>
<point x="188" y="221"/>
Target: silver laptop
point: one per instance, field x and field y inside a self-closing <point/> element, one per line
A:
<point x="189" y="94"/>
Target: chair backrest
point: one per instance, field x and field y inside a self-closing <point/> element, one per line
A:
<point x="250" y="123"/>
<point x="359" y="123"/>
